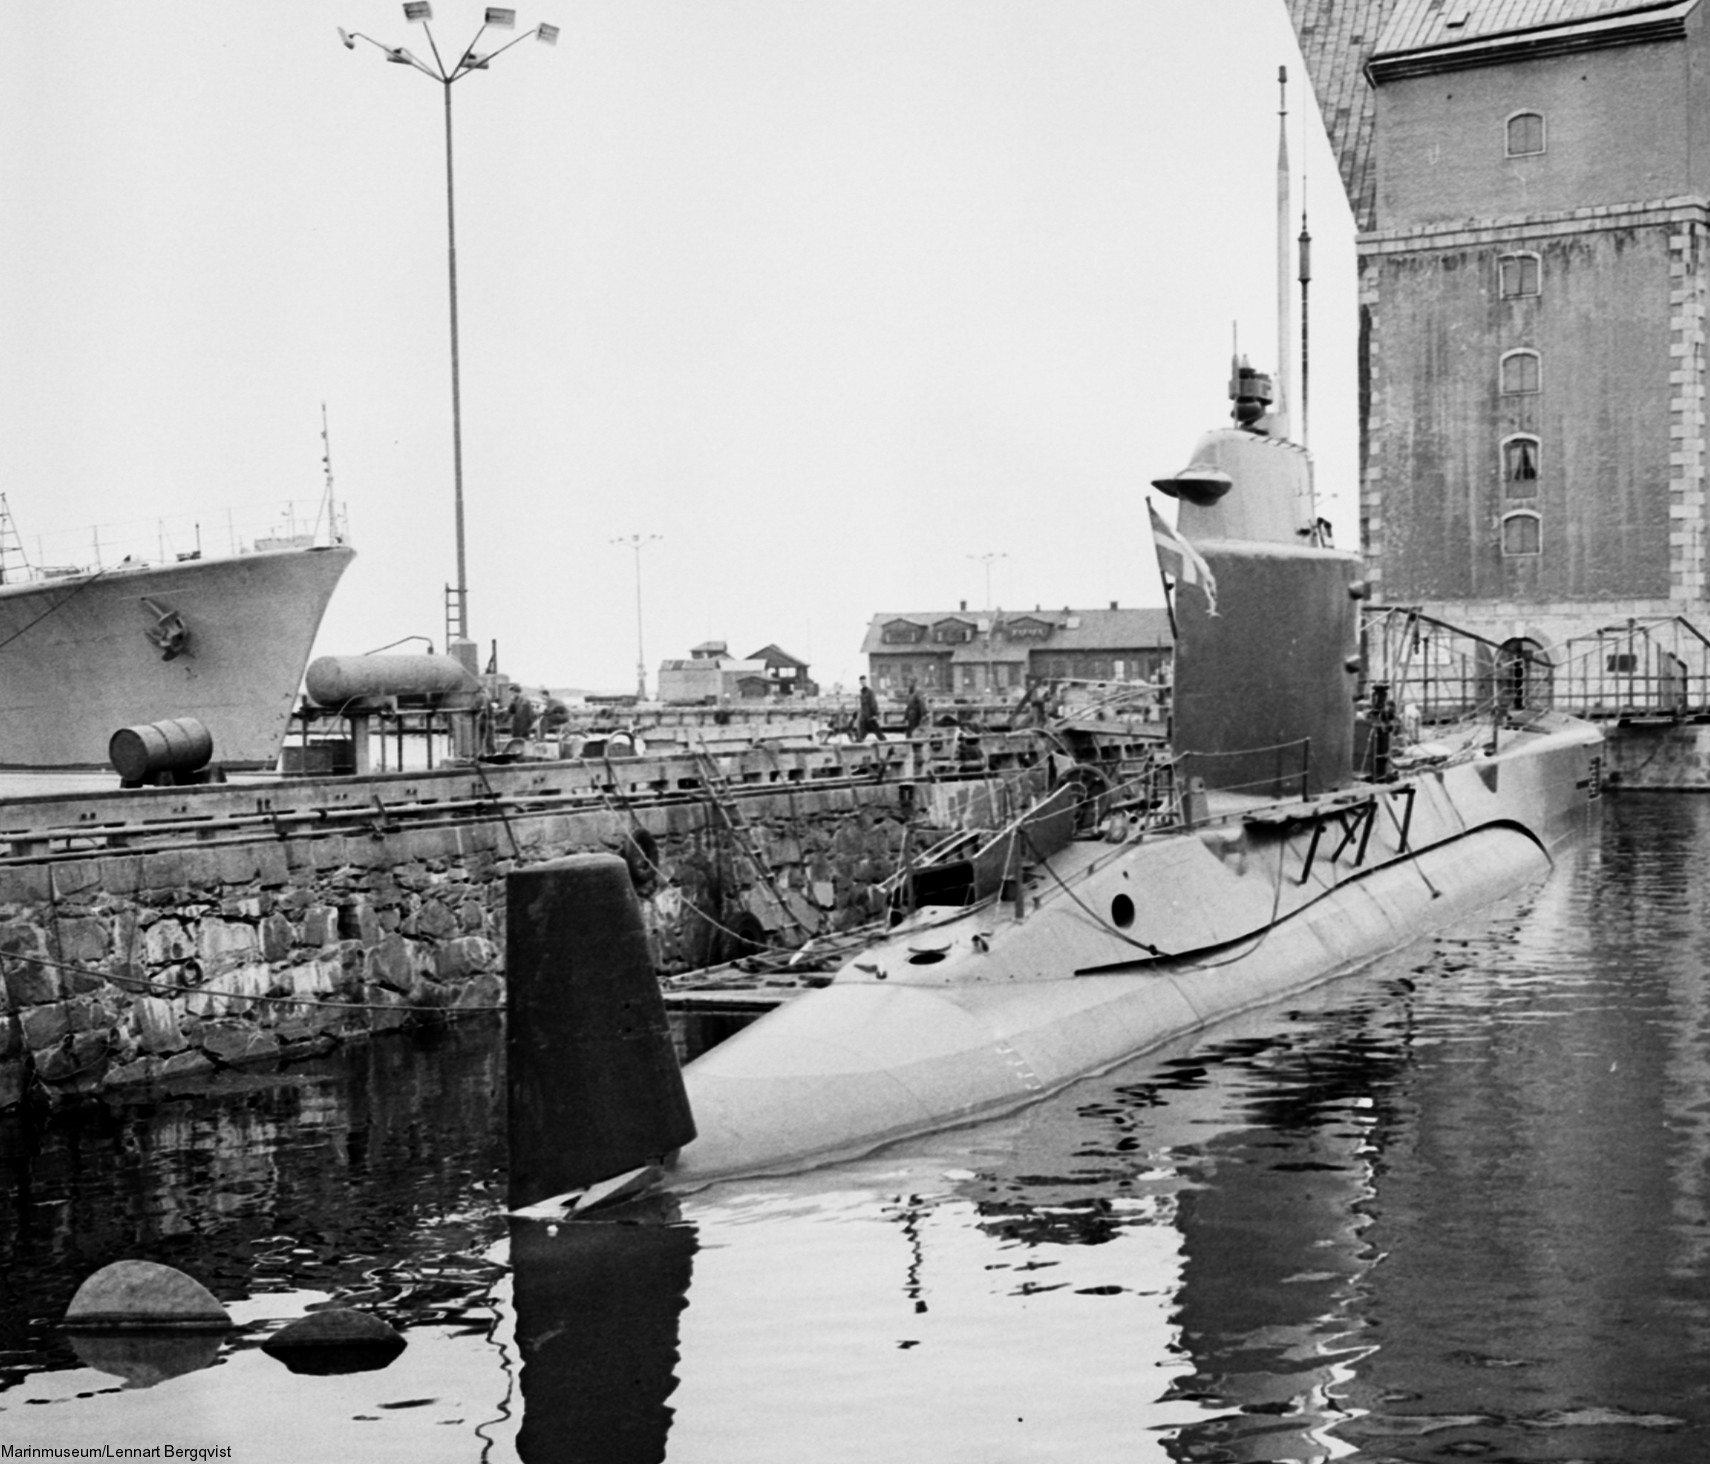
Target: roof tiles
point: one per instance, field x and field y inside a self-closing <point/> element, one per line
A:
<point x="1336" y="39"/>
<point x="1415" y="24"/>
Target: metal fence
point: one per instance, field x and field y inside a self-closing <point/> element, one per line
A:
<point x="1435" y="671"/>
<point x="1651" y="666"/>
<point x="1656" y="666"/>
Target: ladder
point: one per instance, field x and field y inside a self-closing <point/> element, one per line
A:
<point x="453" y="614"/>
<point x="730" y="812"/>
<point x="14" y="563"/>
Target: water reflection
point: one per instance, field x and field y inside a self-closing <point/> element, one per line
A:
<point x="376" y="1179"/>
<point x="1457" y="1206"/>
<point x="144" y="1359"/>
<point x="597" y="1306"/>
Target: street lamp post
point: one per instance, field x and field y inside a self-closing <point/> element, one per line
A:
<point x="986" y="559"/>
<point x="420" y="12"/>
<point x="638" y="542"/>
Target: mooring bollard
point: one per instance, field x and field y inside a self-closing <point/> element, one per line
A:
<point x="594" y="1084"/>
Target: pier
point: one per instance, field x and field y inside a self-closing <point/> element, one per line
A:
<point x="158" y="935"/>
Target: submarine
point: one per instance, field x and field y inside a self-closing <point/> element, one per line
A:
<point x="1288" y="837"/>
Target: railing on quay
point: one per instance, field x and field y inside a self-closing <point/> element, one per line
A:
<point x="35" y="829"/>
<point x="1434" y="671"/>
<point x="1646" y="667"/>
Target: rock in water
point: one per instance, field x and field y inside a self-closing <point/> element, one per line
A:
<point x="143" y="1295"/>
<point x="338" y="1340"/>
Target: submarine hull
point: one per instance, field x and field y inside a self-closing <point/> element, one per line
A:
<point x="952" y="1021"/>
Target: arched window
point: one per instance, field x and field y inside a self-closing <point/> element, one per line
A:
<point x="1521" y="533"/>
<point x="1520" y="372"/>
<point x="1520" y="466"/>
<point x="1518" y="275"/>
<point x="1525" y="134"/>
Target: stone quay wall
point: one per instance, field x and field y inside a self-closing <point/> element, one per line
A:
<point x="1658" y="757"/>
<point x="257" y="936"/>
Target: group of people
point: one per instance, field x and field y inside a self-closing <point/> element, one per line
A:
<point x="521" y="719"/>
<point x="867" y="723"/>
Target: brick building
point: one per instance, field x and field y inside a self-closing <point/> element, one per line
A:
<point x="995" y="653"/>
<point x="1531" y="182"/>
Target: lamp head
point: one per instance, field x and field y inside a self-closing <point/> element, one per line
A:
<point x="348" y="39"/>
<point x="418" y="11"/>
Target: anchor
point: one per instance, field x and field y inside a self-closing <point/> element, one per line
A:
<point x="169" y="632"/>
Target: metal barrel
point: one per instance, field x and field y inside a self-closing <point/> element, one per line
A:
<point x="177" y="745"/>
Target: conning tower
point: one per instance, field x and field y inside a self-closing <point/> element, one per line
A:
<point x="1264" y="678"/>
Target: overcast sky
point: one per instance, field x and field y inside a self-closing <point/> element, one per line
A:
<point x="831" y="295"/>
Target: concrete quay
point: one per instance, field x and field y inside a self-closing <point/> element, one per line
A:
<point x="1658" y="754"/>
<point x="152" y="936"/>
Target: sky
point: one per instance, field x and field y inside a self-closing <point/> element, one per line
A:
<point x="860" y="306"/>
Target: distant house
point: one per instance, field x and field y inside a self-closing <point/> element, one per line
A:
<point x="711" y="675"/>
<point x="997" y="652"/>
<point x="786" y="676"/>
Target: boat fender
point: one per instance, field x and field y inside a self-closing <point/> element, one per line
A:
<point x="594" y="1085"/>
<point x="640" y="852"/>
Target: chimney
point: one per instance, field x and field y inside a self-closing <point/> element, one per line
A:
<point x="1113" y="604"/>
<point x="964" y="605"/>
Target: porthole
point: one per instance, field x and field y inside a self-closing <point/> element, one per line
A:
<point x="1122" y="912"/>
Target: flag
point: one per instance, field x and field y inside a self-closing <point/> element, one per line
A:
<point x="1179" y="558"/>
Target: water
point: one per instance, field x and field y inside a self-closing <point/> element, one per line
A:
<point x="1452" y="1208"/>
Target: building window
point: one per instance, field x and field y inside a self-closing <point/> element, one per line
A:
<point x="1518" y="275"/>
<point x="1520" y="466"/>
<point x="1521" y="533"/>
<point x="1525" y="134"/>
<point x="1519" y="372"/>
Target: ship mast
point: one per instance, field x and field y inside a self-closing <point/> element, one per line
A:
<point x="1281" y="401"/>
<point x="329" y="504"/>
<point x="1304" y="244"/>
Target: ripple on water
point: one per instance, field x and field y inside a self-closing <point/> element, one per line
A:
<point x="1452" y="1207"/>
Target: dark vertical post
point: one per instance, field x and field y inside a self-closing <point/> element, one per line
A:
<point x="594" y="1085"/>
<point x="456" y="380"/>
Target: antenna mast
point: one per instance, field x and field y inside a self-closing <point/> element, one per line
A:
<point x="1280" y="407"/>
<point x="329" y="504"/>
<point x="1305" y="277"/>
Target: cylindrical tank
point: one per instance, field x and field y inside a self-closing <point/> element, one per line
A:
<point x="179" y="745"/>
<point x="333" y="681"/>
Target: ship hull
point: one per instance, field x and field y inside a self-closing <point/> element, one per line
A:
<point x="956" y="1020"/>
<point x="77" y="662"/>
